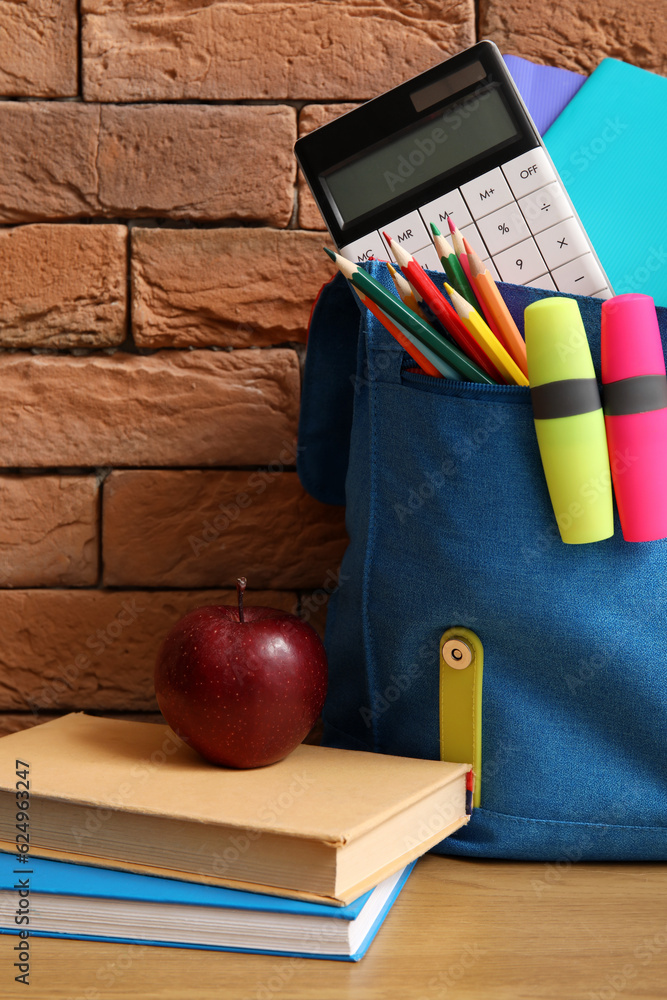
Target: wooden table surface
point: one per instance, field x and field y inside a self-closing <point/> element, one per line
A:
<point x="479" y="930"/>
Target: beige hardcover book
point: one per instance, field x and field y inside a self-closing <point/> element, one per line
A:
<point x="322" y="824"/>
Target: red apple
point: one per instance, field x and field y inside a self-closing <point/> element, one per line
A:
<point x="242" y="687"/>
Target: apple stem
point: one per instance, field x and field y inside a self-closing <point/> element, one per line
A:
<point x="241" y="585"/>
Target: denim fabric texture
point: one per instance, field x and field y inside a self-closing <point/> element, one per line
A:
<point x="450" y="524"/>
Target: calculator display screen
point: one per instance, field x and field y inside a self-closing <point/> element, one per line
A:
<point x="421" y="153"/>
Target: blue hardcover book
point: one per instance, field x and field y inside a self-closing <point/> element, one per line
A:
<point x="99" y="904"/>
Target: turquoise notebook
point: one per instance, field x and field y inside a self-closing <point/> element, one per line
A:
<point x="609" y="146"/>
<point x="100" y="904"/>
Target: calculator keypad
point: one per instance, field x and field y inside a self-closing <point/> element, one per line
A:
<point x="408" y="231"/>
<point x="441" y="208"/>
<point x="486" y="193"/>
<point x="562" y="243"/>
<point x="521" y="263"/>
<point x="516" y="216"/>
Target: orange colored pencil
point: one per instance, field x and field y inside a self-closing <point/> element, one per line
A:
<point x="407" y="345"/>
<point x="405" y="290"/>
<point x="496" y="312"/>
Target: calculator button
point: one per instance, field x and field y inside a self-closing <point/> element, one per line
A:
<point x="604" y="293"/>
<point x="528" y="172"/>
<point x="562" y="243"/>
<point x="371" y="247"/>
<point x="582" y="276"/>
<point x="487" y="193"/>
<point x="428" y="258"/>
<point x="545" y="207"/>
<point x="520" y="264"/>
<point x="440" y="209"/>
<point x="409" y="232"/>
<point x="504" y="228"/>
<point x="491" y="267"/>
<point x="472" y="235"/>
<point x="544" y="281"/>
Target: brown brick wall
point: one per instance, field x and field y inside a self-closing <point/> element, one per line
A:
<point x="158" y="260"/>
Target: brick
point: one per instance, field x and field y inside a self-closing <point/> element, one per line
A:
<point x="172" y="408"/>
<point x="47" y="168"/>
<point x="93" y="649"/>
<point x="235" y="287"/>
<point x="48" y="531"/>
<point x="312" y="117"/>
<point x="302" y="50"/>
<point x="63" y="286"/>
<point x="206" y="528"/>
<point x="632" y="30"/>
<point x="39" y="51"/>
<point x="200" y="162"/>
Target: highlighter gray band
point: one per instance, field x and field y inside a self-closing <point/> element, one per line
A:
<point x="567" y="398"/>
<point x="635" y="395"/>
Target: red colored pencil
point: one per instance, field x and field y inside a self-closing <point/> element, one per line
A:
<point x="441" y="308"/>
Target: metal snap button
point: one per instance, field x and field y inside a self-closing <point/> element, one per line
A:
<point x="457" y="654"/>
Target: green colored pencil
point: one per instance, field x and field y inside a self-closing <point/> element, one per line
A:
<point x="452" y="265"/>
<point x="399" y="312"/>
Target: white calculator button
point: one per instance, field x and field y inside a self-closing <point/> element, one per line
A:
<point x="520" y="264"/>
<point x="544" y="281"/>
<point x="604" y="293"/>
<point x="504" y="228"/>
<point x="440" y="209"/>
<point x="582" y="276"/>
<point x="491" y="267"/>
<point x="371" y="247"/>
<point x="487" y="193"/>
<point x="428" y="258"/>
<point x="472" y="235"/>
<point x="562" y="243"/>
<point x="409" y="232"/>
<point x="529" y="171"/>
<point x="546" y="206"/>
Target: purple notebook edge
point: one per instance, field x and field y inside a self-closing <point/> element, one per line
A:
<point x="546" y="90"/>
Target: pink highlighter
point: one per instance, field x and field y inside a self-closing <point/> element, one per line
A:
<point x="635" y="408"/>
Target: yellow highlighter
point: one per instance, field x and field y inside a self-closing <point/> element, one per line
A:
<point x="569" y="422"/>
<point x="461" y="666"/>
<point x="483" y="335"/>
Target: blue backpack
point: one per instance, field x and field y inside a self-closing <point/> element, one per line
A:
<point x="451" y="526"/>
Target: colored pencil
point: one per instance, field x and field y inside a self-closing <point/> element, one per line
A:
<point x="439" y="305"/>
<point x="461" y="252"/>
<point x="485" y="337"/>
<point x="405" y="290"/>
<point x="496" y="312"/>
<point x="347" y="268"/>
<point x="427" y="360"/>
<point x="452" y="265"/>
<point x="399" y="312"/>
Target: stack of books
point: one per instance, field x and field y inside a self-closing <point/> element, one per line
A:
<point x="117" y="831"/>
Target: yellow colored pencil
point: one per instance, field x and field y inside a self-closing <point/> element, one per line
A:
<point x="486" y="338"/>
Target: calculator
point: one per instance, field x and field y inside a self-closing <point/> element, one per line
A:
<point x="455" y="141"/>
